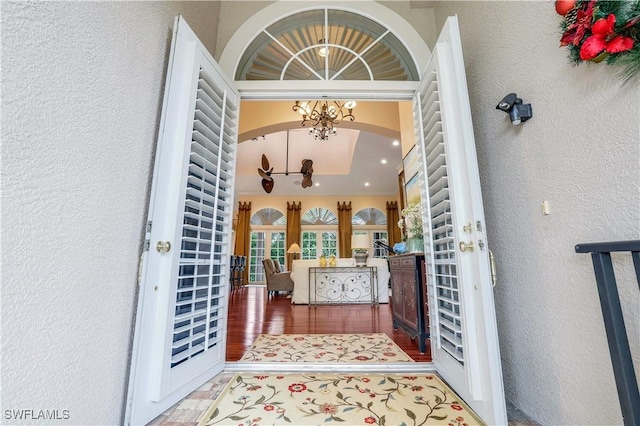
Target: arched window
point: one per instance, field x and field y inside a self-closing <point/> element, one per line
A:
<point x="375" y="222"/>
<point x="268" y="216"/>
<point x="319" y="216"/>
<point x="326" y="44"/>
<point x="369" y="216"/>
<point x="319" y="233"/>
<point x="267" y="241"/>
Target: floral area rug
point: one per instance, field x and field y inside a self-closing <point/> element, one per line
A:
<point x="325" y="348"/>
<point x="314" y="399"/>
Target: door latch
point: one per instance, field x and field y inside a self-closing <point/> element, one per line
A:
<point x="466" y="246"/>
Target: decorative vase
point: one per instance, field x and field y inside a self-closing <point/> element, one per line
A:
<point x="323" y="261"/>
<point x="332" y="261"/>
<point x="400" y="248"/>
<point x="415" y="245"/>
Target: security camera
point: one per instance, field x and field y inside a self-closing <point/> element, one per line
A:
<point x="518" y="112"/>
<point x="507" y="102"/>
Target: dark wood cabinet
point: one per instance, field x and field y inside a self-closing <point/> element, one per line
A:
<point x="409" y="296"/>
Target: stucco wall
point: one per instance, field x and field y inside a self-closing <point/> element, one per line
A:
<point x="82" y="87"/>
<point x="581" y="152"/>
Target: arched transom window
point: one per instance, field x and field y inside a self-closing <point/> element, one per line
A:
<point x="319" y="216"/>
<point x="268" y="216"/>
<point x="369" y="216"/>
<point x="326" y="44"/>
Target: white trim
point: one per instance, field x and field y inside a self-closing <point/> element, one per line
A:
<point x="331" y="367"/>
<point x="327" y="89"/>
<point x="238" y="43"/>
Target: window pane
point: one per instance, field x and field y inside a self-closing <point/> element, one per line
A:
<point x="379" y="251"/>
<point x="330" y="243"/>
<point x="309" y="245"/>
<point x="278" y="247"/>
<point x="256" y="255"/>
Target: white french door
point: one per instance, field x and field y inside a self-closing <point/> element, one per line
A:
<point x="464" y="339"/>
<point x="265" y="244"/>
<point x="180" y="336"/>
<point x="180" y="332"/>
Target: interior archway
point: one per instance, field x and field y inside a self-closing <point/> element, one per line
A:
<point x="263" y="117"/>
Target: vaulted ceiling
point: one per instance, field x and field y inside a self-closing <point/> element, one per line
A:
<point x="343" y="164"/>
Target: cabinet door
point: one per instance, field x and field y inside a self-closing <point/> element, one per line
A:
<point x="397" y="290"/>
<point x="410" y="299"/>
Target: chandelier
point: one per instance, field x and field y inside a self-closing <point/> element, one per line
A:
<point x="323" y="116"/>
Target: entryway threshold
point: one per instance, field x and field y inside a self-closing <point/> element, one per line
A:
<point x="330" y="367"/>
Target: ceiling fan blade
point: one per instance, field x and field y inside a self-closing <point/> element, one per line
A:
<point x="267" y="185"/>
<point x="307" y="165"/>
<point x="265" y="162"/>
<point x="265" y="175"/>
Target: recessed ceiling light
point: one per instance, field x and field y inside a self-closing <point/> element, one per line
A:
<point x="366" y="184"/>
<point x="317" y="184"/>
<point x="395" y="143"/>
<point x="383" y="161"/>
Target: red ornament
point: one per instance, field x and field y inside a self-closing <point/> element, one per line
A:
<point x="564" y="6"/>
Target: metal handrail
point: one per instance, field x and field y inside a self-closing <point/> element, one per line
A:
<point x="621" y="360"/>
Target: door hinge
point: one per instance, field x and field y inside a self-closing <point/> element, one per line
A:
<point x="147" y="244"/>
<point x="149" y="224"/>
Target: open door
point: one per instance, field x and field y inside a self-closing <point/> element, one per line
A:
<point x="180" y="332"/>
<point x="464" y="338"/>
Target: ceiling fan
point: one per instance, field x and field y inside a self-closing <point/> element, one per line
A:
<point x="265" y="172"/>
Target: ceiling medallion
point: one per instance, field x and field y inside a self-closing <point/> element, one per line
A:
<point x="323" y="116"/>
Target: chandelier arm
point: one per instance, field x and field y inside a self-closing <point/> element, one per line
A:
<point x="322" y="118"/>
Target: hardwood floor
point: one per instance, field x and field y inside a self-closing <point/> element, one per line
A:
<point x="252" y="312"/>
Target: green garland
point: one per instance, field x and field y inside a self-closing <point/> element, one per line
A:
<point x="627" y="23"/>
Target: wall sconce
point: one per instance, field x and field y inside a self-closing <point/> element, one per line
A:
<point x="518" y="112"/>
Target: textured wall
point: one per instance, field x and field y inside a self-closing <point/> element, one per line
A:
<point x="82" y="87"/>
<point x="581" y="152"/>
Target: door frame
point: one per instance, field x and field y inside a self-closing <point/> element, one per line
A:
<point x="371" y="90"/>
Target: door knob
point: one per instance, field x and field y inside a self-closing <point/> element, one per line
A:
<point x="163" y="247"/>
<point x="466" y="246"/>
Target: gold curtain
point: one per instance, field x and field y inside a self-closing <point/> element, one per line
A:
<point x="344" y="229"/>
<point x="393" y="231"/>
<point x="294" y="229"/>
<point x="243" y="234"/>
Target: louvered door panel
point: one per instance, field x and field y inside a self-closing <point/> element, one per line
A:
<point x="207" y="215"/>
<point x="440" y="255"/>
